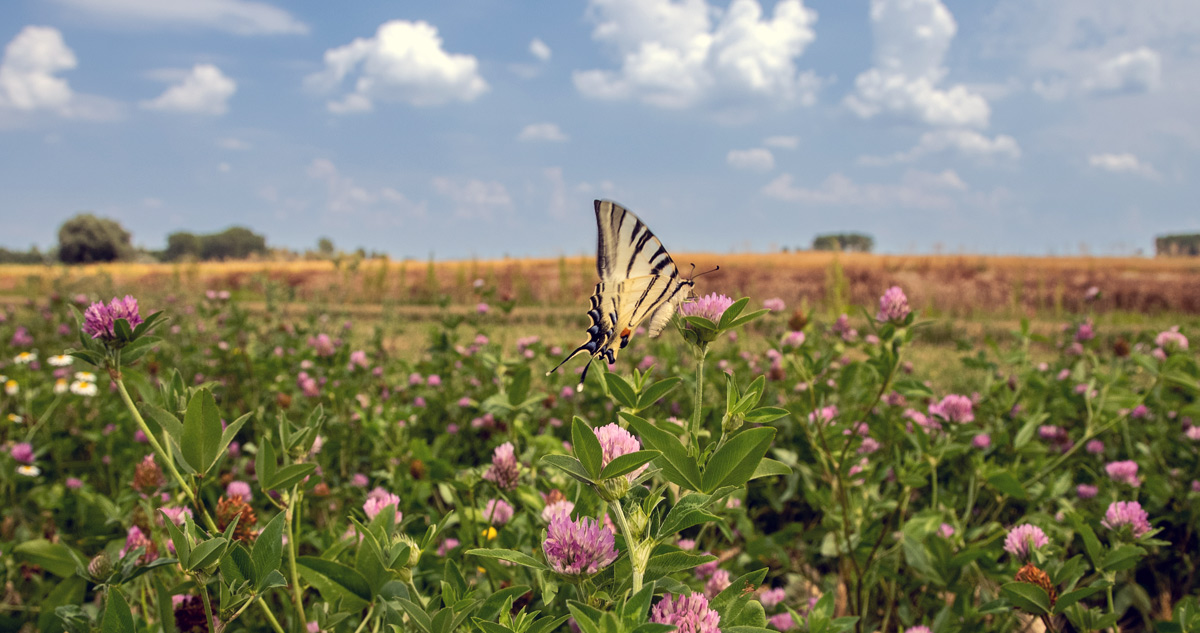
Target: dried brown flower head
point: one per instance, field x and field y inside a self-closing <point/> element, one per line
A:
<point x="230" y="507"/>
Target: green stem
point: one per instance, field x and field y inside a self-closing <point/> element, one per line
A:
<point x="412" y="589"/>
<point x="262" y="605"/>
<point x="639" y="570"/>
<point x="370" y="612"/>
<point x="158" y="448"/>
<point x="694" y="430"/>
<point x="208" y="615"/>
<point x="292" y="517"/>
<point x="1112" y="609"/>
<point x="44" y="417"/>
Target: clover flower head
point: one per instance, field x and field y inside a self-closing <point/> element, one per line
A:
<point x="1127" y="513"/>
<point x="710" y="307"/>
<point x="497" y="512"/>
<point x="954" y="408"/>
<point x="1125" y="472"/>
<point x="578" y="548"/>
<point x="615" y="442"/>
<point x="689" y="614"/>
<point x="377" y="500"/>
<point x="100" y="319"/>
<point x="893" y="305"/>
<point x="1023" y="539"/>
<point x="504" y="471"/>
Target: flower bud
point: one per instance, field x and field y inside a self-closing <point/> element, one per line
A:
<point x="100" y="566"/>
<point x="613" y="489"/>
<point x="1032" y="575"/>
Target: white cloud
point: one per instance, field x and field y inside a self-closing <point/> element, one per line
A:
<point x="917" y="190"/>
<point x="474" y="198"/>
<point x="966" y="142"/>
<point x="756" y="159"/>
<point x="404" y="62"/>
<point x="28" y="78"/>
<point x="1138" y="70"/>
<point x="542" y="132"/>
<point x="204" y="90"/>
<point x="224" y="168"/>
<point x="343" y="195"/>
<point x="676" y="54"/>
<point x="1123" y="163"/>
<point x="538" y="49"/>
<point x="911" y="40"/>
<point x="241" y="17"/>
<point x="782" y="142"/>
<point x="233" y="143"/>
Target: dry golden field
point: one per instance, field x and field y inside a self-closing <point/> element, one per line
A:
<point x="956" y="285"/>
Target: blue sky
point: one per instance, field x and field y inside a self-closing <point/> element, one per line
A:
<point x="486" y="127"/>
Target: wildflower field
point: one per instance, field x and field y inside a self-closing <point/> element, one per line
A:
<point x="182" y="460"/>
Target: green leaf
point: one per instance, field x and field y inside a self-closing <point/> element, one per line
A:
<point x="621" y="390"/>
<point x="569" y="465"/>
<point x="734" y="464"/>
<point x="369" y="561"/>
<point x="677" y="466"/>
<point x="201" y="431"/>
<point x="490" y="608"/>
<point x="207" y="553"/>
<point x="55" y="558"/>
<point x="117" y="616"/>
<point x="416" y="614"/>
<point x="732" y="312"/>
<point x="183" y="546"/>
<point x="165" y="419"/>
<point x="68" y="592"/>
<point x="509" y="555"/>
<point x="1007" y="483"/>
<point x="336" y="582"/>
<point x="1071" y="597"/>
<point x="265" y="465"/>
<point x="267" y="552"/>
<point x="670" y="562"/>
<point x="627" y="463"/>
<point x="1091" y="544"/>
<point x="1031" y="599"/>
<point x="656" y="391"/>
<point x="763" y="415"/>
<point x="166" y="612"/>
<point x="587" y="447"/>
<point x="241" y="562"/>
<point x="1122" y="558"/>
<point x="229" y="433"/>
<point x="519" y="387"/>
<point x="291" y="474"/>
<point x="770" y="468"/>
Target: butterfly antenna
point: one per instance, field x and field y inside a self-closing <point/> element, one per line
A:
<point x="705" y="272"/>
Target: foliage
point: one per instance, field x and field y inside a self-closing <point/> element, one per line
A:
<point x="85" y="239"/>
<point x="1187" y="245"/>
<point x="278" y="472"/>
<point x="235" y="242"/>
<point x="848" y="242"/>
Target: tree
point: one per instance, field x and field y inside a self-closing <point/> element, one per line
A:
<point x="182" y="244"/>
<point x="325" y="247"/>
<point x="1179" y="245"/>
<point x="86" y="238"/>
<point x="849" y="242"/>
<point x="236" y="242"/>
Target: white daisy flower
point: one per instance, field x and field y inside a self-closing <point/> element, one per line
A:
<point x="85" y="376"/>
<point x="14" y="418"/>
<point x="61" y="360"/>
<point x="29" y="470"/>
<point x="61" y="385"/>
<point x="12" y="388"/>
<point x="24" y="358"/>
<point x="83" y="388"/>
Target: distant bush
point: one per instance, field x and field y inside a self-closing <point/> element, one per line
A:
<point x="236" y="242"/>
<point x="31" y="256"/>
<point x="851" y="242"/>
<point x="1177" y="245"/>
<point x="86" y="238"/>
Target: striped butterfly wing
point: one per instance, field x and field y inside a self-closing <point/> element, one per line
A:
<point x="638" y="280"/>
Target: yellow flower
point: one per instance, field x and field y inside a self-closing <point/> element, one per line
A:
<point x="11" y="387"/>
<point x="14" y="418"/>
<point x="489" y="534"/>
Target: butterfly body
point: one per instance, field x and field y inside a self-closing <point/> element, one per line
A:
<point x="638" y="280"/>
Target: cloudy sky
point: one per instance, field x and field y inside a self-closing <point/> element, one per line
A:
<point x="487" y="127"/>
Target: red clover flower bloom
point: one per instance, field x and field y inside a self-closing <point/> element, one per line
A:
<point x="710" y="307"/>
<point x="578" y="548"/>
<point x="497" y="512"/>
<point x="1023" y="539"/>
<point x="1127" y="513"/>
<point x="689" y="614"/>
<point x="504" y="471"/>
<point x="377" y="500"/>
<point x="615" y="442"/>
<point x="1125" y="472"/>
<point x="954" y="408"/>
<point x="893" y="305"/>
<point x="99" y="320"/>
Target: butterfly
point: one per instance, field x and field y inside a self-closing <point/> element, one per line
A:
<point x="638" y="280"/>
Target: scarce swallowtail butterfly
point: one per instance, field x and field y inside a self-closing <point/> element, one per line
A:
<point x="638" y="280"/>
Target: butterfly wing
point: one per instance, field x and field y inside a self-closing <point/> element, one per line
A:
<point x="638" y="279"/>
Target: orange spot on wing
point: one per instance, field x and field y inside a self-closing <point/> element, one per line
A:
<point x="625" y="332"/>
